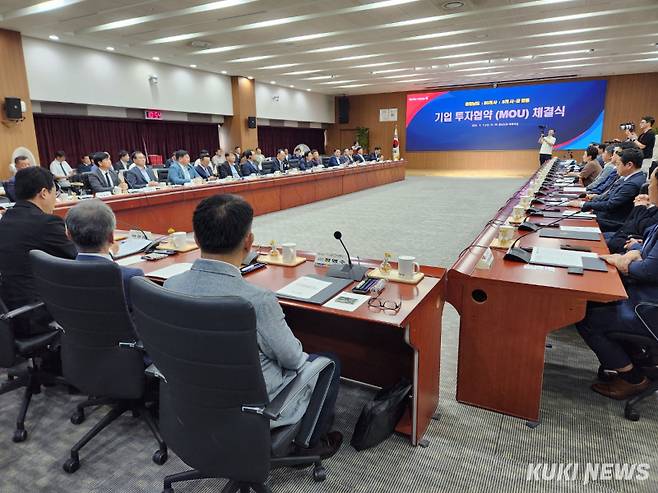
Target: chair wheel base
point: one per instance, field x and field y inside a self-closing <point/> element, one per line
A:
<point x="19" y="435"/>
<point x="78" y="417"/>
<point x="631" y="414"/>
<point x="71" y="465"/>
<point x="160" y="457"/>
<point x="319" y="474"/>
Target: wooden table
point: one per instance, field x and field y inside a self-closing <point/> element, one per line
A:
<point x="507" y="311"/>
<point x="374" y="346"/>
<point x="172" y="207"/>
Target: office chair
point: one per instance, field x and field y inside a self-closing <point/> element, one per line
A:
<point x="648" y="344"/>
<point x="84" y="178"/>
<point x="214" y="409"/>
<point x="162" y="174"/>
<point x="267" y="166"/>
<point x="92" y="359"/>
<point x="31" y="349"/>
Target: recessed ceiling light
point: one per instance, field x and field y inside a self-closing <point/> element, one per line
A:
<point x="192" y="66"/>
<point x="292" y="87"/>
<point x="224" y="72"/>
<point x="333" y="48"/>
<point x="302" y="72"/>
<point x="319" y="77"/>
<point x="355" y="57"/>
<point x="109" y="48"/>
<point x="251" y="58"/>
<point x="250" y="77"/>
<point x="308" y="90"/>
<point x="156" y="58"/>
<point x="281" y="65"/>
<point x="388" y="71"/>
<point x="272" y="82"/>
<point x="54" y="37"/>
<point x="352" y="85"/>
<point x="453" y="5"/>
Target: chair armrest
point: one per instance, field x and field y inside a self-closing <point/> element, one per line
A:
<point x="153" y="371"/>
<point x="132" y="345"/>
<point x="20" y="311"/>
<point x="288" y="395"/>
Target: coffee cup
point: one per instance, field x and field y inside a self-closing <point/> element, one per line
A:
<point x="505" y="233"/>
<point x="289" y="252"/>
<point x="407" y="267"/>
<point x="179" y="239"/>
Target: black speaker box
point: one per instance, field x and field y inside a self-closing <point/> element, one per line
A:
<point x="13" y="109"/>
<point x="343" y="109"/>
<point x="251" y="121"/>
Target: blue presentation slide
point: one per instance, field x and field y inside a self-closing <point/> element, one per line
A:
<point x="506" y="118"/>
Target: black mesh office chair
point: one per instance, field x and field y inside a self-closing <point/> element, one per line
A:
<point x="646" y="345"/>
<point x="267" y="166"/>
<point x="84" y="179"/>
<point x="88" y="301"/>
<point x="214" y="409"/>
<point x="32" y="349"/>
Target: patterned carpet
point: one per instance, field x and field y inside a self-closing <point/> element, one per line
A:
<point x="470" y="450"/>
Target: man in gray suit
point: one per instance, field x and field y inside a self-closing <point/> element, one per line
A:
<point x="104" y="178"/>
<point x="140" y="175"/>
<point x="222" y="229"/>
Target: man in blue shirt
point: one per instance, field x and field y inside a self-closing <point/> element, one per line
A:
<point x="181" y="172"/>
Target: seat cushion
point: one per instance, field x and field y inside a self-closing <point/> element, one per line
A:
<point x="282" y="440"/>
<point x="26" y="347"/>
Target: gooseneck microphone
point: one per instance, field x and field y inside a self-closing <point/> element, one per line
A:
<point x="346" y="271"/>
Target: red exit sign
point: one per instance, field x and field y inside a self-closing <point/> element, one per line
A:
<point x="153" y="114"/>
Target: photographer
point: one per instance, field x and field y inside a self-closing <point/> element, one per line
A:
<point x="645" y="141"/>
<point x="547" y="142"/>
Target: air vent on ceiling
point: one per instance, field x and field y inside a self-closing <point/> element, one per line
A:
<point x="202" y="45"/>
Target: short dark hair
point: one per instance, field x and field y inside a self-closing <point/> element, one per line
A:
<point x="227" y="154"/>
<point x="237" y="147"/>
<point x="307" y="153"/>
<point x="314" y="151"/>
<point x="378" y="148"/>
<point x="627" y="144"/>
<point x="86" y="155"/>
<point x="610" y="149"/>
<point x="601" y="147"/>
<point x="135" y="154"/>
<point x="649" y="119"/>
<point x="592" y="152"/>
<point x="181" y="153"/>
<point x="248" y="153"/>
<point x="100" y="156"/>
<point x="221" y="222"/>
<point x="278" y="151"/>
<point x="122" y="153"/>
<point x="30" y="181"/>
<point x="60" y="154"/>
<point x="203" y="155"/>
<point x="17" y="159"/>
<point x="634" y="156"/>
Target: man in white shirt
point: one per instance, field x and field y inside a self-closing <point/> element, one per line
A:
<point x="61" y="170"/>
<point x="258" y="158"/>
<point x="123" y="164"/>
<point x="547" y="142"/>
<point x="218" y="159"/>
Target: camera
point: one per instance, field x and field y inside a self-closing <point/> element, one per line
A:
<point x="630" y="126"/>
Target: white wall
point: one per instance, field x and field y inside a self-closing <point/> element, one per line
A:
<point x="293" y="105"/>
<point x="69" y="74"/>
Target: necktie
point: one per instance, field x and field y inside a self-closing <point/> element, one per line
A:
<point x="109" y="181"/>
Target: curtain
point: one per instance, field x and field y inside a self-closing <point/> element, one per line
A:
<point x="272" y="138"/>
<point x="79" y="135"/>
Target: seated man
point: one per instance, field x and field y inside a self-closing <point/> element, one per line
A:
<point x="335" y="160"/>
<point x="104" y="178"/>
<point x="613" y="208"/>
<point x="347" y="156"/>
<point x="306" y="162"/>
<point x="608" y="174"/>
<point x="140" y="175"/>
<point x="20" y="162"/>
<point x="229" y="168"/>
<point x="377" y="154"/>
<point x="61" y="170"/>
<point x="640" y="274"/>
<point x="90" y="225"/>
<point x="248" y="167"/>
<point x="85" y="165"/>
<point x="204" y="168"/>
<point x="222" y="229"/>
<point x="180" y="171"/>
<point x="123" y="164"/>
<point x="279" y="163"/>
<point x="317" y="160"/>
<point x="591" y="169"/>
<point x="643" y="216"/>
<point x="359" y="157"/>
<point x="30" y="225"/>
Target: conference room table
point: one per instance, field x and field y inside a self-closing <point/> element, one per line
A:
<point x="375" y="346"/>
<point x="172" y="207"/>
<point x="508" y="309"/>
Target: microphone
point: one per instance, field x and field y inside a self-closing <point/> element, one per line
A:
<point x="526" y="226"/>
<point x="519" y="254"/>
<point x="346" y="271"/>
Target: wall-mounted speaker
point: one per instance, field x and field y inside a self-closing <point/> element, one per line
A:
<point x="13" y="109"/>
<point x="251" y="121"/>
<point x="343" y="109"/>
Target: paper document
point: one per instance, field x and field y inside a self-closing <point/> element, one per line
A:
<point x="581" y="229"/>
<point x="304" y="288"/>
<point x="135" y="259"/>
<point x="559" y="258"/>
<point x="131" y="246"/>
<point x="170" y="271"/>
<point x="574" y="189"/>
<point x="347" y="301"/>
<point x="579" y="215"/>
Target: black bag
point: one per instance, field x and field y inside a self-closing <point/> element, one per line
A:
<point x="380" y="416"/>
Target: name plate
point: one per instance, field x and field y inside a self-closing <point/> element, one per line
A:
<point x="102" y="195"/>
<point x="328" y="259"/>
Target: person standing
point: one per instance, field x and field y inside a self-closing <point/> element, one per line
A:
<point x="547" y="142"/>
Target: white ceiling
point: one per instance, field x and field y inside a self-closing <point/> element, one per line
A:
<point x="360" y="46"/>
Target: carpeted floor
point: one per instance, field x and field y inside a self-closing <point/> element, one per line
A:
<point x="470" y="450"/>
